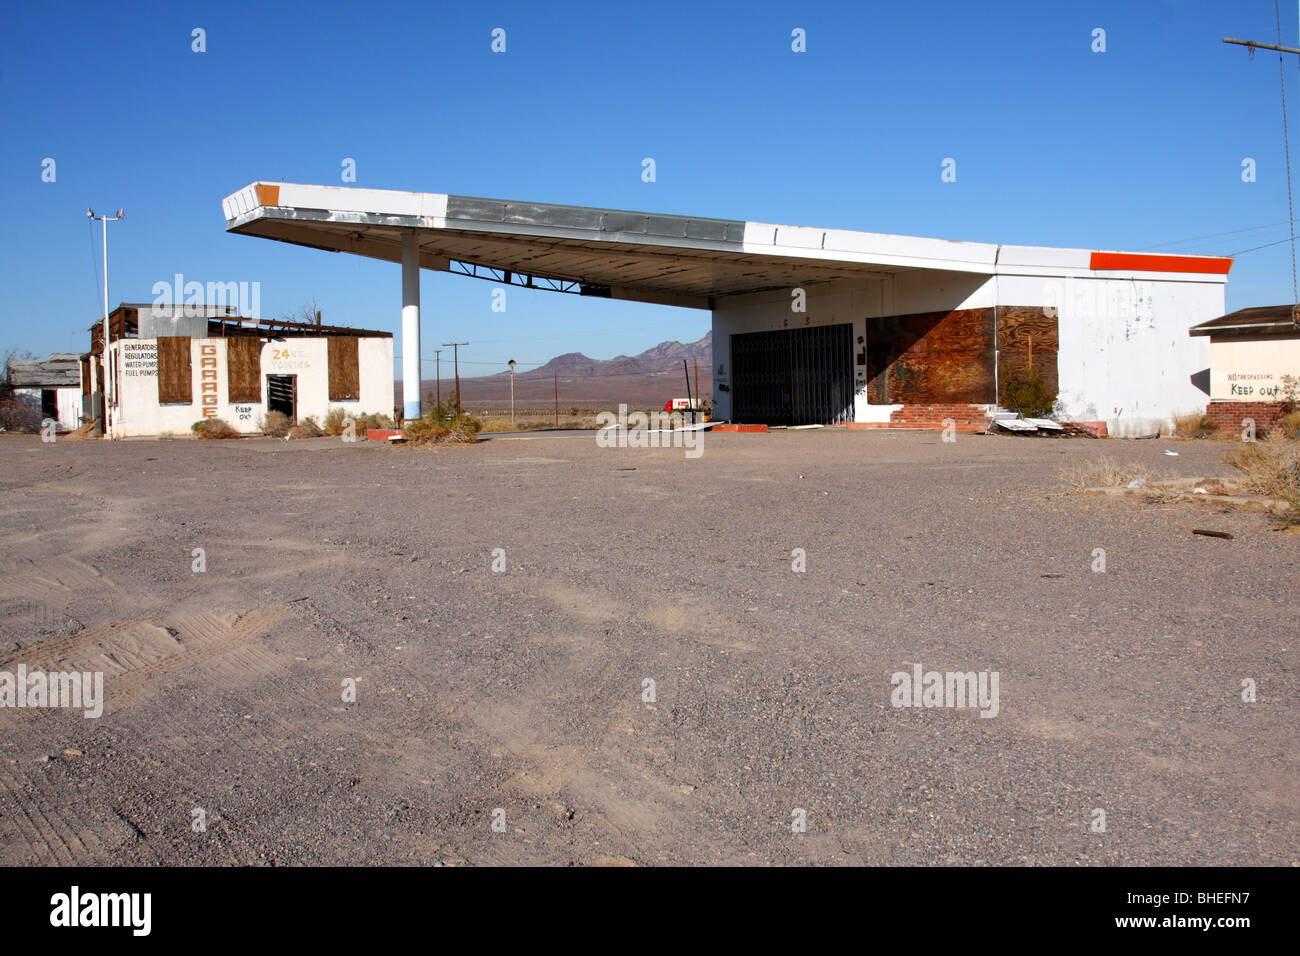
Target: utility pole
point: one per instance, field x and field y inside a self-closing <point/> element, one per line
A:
<point x="697" y="383"/>
<point x="437" y="366"/>
<point x="557" y="399"/>
<point x="1252" y="45"/>
<point x="103" y="367"/>
<point x="455" y="352"/>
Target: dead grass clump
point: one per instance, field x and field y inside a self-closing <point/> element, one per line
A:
<point x="1269" y="466"/>
<point x="336" y="422"/>
<point x="1104" y="473"/>
<point x="335" y="419"/>
<point x="276" y="424"/>
<point x="426" y="431"/>
<point x="213" y="428"/>
<point x="1194" y="425"/>
<point x="307" y="428"/>
<point x="1291" y="423"/>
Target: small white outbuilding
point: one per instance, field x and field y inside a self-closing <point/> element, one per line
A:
<point x="171" y="366"/>
<point x="52" y="386"/>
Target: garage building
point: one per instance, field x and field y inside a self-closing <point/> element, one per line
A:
<point x="171" y="366"/>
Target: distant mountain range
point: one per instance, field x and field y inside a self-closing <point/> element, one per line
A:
<point x="666" y="356"/>
<point x="647" y="379"/>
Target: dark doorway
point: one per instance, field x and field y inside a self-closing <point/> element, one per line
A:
<point x="49" y="403"/>
<point x="793" y="376"/>
<point x="282" y="395"/>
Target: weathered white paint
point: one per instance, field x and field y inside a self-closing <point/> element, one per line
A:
<point x="1125" y="356"/>
<point x="138" y="411"/>
<point x="1250" y="368"/>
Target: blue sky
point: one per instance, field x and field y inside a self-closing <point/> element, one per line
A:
<point x="1136" y="148"/>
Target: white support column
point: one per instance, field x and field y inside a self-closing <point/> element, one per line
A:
<point x="410" y="325"/>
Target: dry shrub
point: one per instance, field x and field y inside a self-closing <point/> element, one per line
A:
<point x="1026" y="393"/>
<point x="1269" y="466"/>
<point x="426" y="431"/>
<point x="336" y="420"/>
<point x="1291" y="424"/>
<point x="307" y="428"/>
<point x="1193" y="425"/>
<point x="20" y="414"/>
<point x="276" y="424"/>
<point x="1104" y="473"/>
<point x="213" y="428"/>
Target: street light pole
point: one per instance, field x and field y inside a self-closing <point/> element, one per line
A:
<point x="103" y="368"/>
<point x="512" y="392"/>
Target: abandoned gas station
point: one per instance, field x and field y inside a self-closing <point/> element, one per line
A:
<point x="810" y="325"/>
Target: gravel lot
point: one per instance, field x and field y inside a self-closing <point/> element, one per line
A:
<point x="523" y="690"/>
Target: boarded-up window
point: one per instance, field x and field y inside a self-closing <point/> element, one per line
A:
<point x="1027" y="344"/>
<point x="244" y="369"/>
<point x="931" y="358"/>
<point x="345" y="373"/>
<point x="175" y="380"/>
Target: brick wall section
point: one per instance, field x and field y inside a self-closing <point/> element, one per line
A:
<point x="933" y="415"/>
<point x="1228" y="415"/>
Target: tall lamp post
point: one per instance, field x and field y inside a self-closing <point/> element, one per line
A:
<point x="103" y="361"/>
<point x="512" y="391"/>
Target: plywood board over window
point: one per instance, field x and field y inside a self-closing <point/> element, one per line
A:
<point x="175" y="378"/>
<point x="244" y="369"/>
<point x="930" y="357"/>
<point x="1027" y="339"/>
<point x="345" y="370"/>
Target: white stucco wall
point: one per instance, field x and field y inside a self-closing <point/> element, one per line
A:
<point x="138" y="412"/>
<point x="1251" y="368"/>
<point x="1124" y="353"/>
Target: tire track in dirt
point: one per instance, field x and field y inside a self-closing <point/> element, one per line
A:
<point x="36" y="820"/>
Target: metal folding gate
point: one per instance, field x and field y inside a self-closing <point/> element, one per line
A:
<point x="793" y="376"/>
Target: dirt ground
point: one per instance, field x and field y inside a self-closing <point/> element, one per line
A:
<point x="518" y="696"/>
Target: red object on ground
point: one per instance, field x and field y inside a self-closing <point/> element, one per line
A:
<point x="740" y="428"/>
<point x="382" y="434"/>
<point x="1092" y="428"/>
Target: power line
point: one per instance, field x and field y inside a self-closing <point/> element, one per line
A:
<point x="1265" y="246"/>
<point x="1213" y="235"/>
